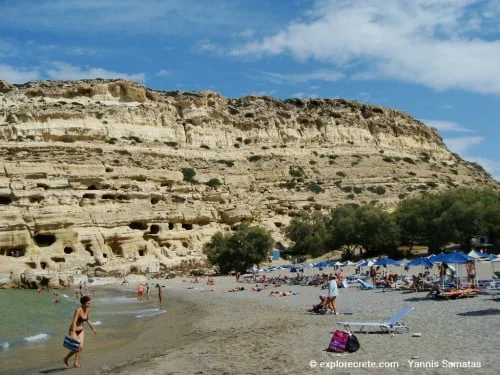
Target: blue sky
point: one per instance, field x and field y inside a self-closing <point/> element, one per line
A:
<point x="438" y="60"/>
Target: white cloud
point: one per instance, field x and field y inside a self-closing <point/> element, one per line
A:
<point x="163" y="73"/>
<point x="206" y="46"/>
<point x="65" y="71"/>
<point x="461" y="145"/>
<point x="13" y="75"/>
<point x="433" y="43"/>
<point x="443" y="125"/>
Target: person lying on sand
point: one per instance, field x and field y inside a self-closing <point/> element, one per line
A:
<point x="275" y="293"/>
<point x="236" y="289"/>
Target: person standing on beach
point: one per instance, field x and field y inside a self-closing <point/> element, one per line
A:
<point x="160" y="292"/>
<point x="373" y="276"/>
<point x="140" y="292"/>
<point x="76" y="328"/>
<point x="471" y="272"/>
<point x="148" y="292"/>
<point x="333" y="293"/>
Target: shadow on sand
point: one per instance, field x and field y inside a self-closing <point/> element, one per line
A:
<point x="53" y="370"/>
<point x="481" y="312"/>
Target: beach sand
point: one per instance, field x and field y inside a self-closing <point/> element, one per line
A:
<point x="215" y="332"/>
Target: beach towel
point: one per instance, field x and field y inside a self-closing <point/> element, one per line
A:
<point x="71" y="343"/>
<point x="338" y="342"/>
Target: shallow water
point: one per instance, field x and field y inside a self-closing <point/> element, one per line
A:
<point x="32" y="326"/>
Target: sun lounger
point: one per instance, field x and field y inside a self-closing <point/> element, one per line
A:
<point x="364" y="285"/>
<point x="393" y="324"/>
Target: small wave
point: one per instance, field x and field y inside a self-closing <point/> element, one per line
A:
<point x="115" y="300"/>
<point x="98" y="323"/>
<point x="4" y="345"/>
<point x="39" y="337"/>
<point x="150" y="313"/>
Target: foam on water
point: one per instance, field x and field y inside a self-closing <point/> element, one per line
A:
<point x="150" y="312"/>
<point x="115" y="300"/>
<point x="4" y="345"/>
<point x="38" y="337"/>
<point x="98" y="323"/>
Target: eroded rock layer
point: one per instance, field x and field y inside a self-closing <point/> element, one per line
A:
<point x="110" y="174"/>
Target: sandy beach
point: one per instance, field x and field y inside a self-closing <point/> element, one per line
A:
<point x="207" y="330"/>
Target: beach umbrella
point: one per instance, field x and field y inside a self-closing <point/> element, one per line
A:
<point x="439" y="258"/>
<point x="420" y="262"/>
<point x="366" y="263"/>
<point x="348" y="263"/>
<point x="457" y="258"/>
<point x="386" y="262"/>
<point x="404" y="262"/>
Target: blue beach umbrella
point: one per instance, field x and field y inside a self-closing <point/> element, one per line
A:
<point x="386" y="262"/>
<point x="457" y="258"/>
<point x="420" y="262"/>
<point x="439" y="258"/>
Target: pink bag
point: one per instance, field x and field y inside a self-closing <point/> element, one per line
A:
<point x="338" y="342"/>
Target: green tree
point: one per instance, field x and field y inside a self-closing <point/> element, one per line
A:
<point x="238" y="251"/>
<point x="377" y="230"/>
<point x="344" y="226"/>
<point x="310" y="235"/>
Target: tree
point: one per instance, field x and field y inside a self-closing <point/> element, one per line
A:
<point x="310" y="234"/>
<point x="238" y="251"/>
<point x="344" y="225"/>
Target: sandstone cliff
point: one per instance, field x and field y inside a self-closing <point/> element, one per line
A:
<point x="92" y="170"/>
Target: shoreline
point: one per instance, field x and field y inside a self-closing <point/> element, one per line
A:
<point x="247" y="332"/>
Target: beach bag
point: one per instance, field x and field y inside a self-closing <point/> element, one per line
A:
<point x="353" y="344"/>
<point x="71" y="344"/>
<point x="338" y="342"/>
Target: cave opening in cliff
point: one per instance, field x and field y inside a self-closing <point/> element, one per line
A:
<point x="43" y="265"/>
<point x="138" y="225"/>
<point x="17" y="252"/>
<point x="5" y="199"/>
<point x="170" y="226"/>
<point x="187" y="226"/>
<point x="154" y="229"/>
<point x="43" y="240"/>
<point x="68" y="250"/>
<point x="91" y="187"/>
<point x="58" y="259"/>
<point x="89" y="249"/>
<point x="142" y="252"/>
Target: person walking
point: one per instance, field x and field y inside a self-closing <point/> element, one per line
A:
<point x="333" y="293"/>
<point x="80" y="316"/>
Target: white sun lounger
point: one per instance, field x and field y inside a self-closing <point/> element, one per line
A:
<point x="392" y="324"/>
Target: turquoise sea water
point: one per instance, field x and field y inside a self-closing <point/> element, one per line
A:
<point x="32" y="326"/>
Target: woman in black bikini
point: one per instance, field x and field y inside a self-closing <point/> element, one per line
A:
<point x="76" y="328"/>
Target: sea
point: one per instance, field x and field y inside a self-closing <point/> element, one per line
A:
<point x="33" y="326"/>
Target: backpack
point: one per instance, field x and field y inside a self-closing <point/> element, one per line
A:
<point x="353" y="344"/>
<point x="338" y="342"/>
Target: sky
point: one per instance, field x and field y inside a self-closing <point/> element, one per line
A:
<point x="437" y="60"/>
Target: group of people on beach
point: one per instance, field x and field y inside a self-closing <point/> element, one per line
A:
<point x="145" y="289"/>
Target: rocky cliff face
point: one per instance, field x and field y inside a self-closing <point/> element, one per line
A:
<point x="92" y="170"/>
